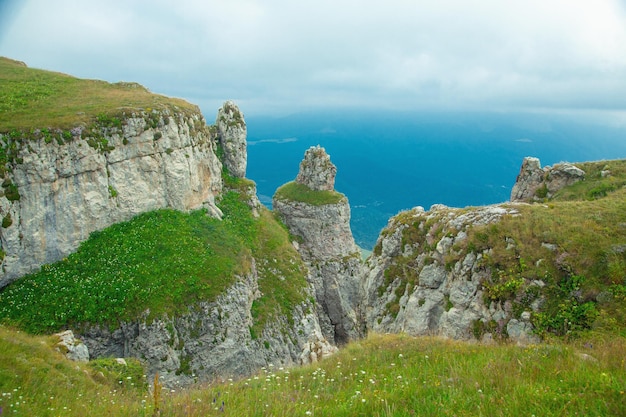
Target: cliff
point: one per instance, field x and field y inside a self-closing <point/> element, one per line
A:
<point x="513" y="271"/>
<point x="67" y="175"/>
<point x="252" y="294"/>
<point x="319" y="219"/>
<point x="70" y="185"/>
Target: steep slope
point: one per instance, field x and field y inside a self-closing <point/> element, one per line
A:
<point x="193" y="289"/>
<point x="510" y="270"/>
<point x="67" y="175"/>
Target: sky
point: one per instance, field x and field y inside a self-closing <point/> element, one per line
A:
<point x="276" y="57"/>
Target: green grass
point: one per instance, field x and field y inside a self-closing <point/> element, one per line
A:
<point x="383" y="375"/>
<point x="293" y="191"/>
<point x="282" y="281"/>
<point x="36" y="380"/>
<point x="163" y="261"/>
<point x="595" y="185"/>
<point x="33" y="98"/>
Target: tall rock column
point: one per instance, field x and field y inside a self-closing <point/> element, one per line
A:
<point x="232" y="132"/>
<point x="319" y="218"/>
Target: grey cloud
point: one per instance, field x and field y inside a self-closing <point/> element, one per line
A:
<point x="281" y="56"/>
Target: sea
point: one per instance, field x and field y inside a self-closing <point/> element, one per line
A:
<point x="392" y="161"/>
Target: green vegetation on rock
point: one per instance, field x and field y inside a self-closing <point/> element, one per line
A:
<point x="567" y="254"/>
<point x="163" y="261"/>
<point x="294" y="191"/>
<point x="282" y="275"/>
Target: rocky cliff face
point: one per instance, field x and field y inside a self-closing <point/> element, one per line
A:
<point x="214" y="339"/>
<point x="534" y="183"/>
<point x="419" y="280"/>
<point x="326" y="244"/>
<point x="73" y="186"/>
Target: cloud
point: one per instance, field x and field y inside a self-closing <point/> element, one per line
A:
<point x="284" y="56"/>
<point x="278" y="141"/>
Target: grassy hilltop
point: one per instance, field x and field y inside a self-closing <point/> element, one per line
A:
<point x="35" y="99"/>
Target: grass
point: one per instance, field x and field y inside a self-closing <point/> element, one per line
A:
<point x="163" y="261"/>
<point x="573" y="243"/>
<point x="293" y="191"/>
<point x="33" y="98"/>
<point x="595" y="185"/>
<point x="383" y="375"/>
<point x="282" y="281"/>
<point x="36" y="380"/>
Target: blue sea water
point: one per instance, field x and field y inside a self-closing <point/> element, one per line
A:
<point x="388" y="162"/>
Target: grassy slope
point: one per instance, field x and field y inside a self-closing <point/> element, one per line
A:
<point x="584" y="269"/>
<point x="36" y="380"/>
<point x="163" y="261"/>
<point x="391" y="375"/>
<point x="32" y="98"/>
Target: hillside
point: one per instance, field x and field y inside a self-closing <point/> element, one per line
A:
<point x="61" y="101"/>
<point x="556" y="266"/>
<point x="390" y="375"/>
<point x="126" y="218"/>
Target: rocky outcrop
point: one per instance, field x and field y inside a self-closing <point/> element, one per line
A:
<point x="232" y="132"/>
<point x="72" y="348"/>
<point x="214" y="339"/>
<point x="316" y="170"/>
<point x="100" y="176"/>
<point x="534" y="183"/>
<point x="325" y="241"/>
<point x="419" y="282"/>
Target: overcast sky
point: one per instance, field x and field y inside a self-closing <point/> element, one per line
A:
<point x="282" y="56"/>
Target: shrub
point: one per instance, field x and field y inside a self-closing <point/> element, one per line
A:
<point x="7" y="221"/>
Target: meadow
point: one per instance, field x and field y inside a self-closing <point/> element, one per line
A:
<point x="382" y="375"/>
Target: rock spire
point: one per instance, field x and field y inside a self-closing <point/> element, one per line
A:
<point x="316" y="170"/>
<point x="232" y="133"/>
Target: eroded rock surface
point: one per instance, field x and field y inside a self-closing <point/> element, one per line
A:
<point x="66" y="191"/>
<point x="326" y="244"/>
<point x="232" y="133"/>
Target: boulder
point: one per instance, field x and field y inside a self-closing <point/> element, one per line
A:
<point x="72" y="348"/>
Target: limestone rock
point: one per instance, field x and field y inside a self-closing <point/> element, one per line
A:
<point x="534" y="183"/>
<point x="214" y="339"/>
<point x="232" y="133"/>
<point x="71" y="347"/>
<point x="444" y="298"/>
<point x="562" y="175"/>
<point x="327" y="246"/>
<point x="528" y="180"/>
<point x="316" y="170"/>
<point x="71" y="189"/>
